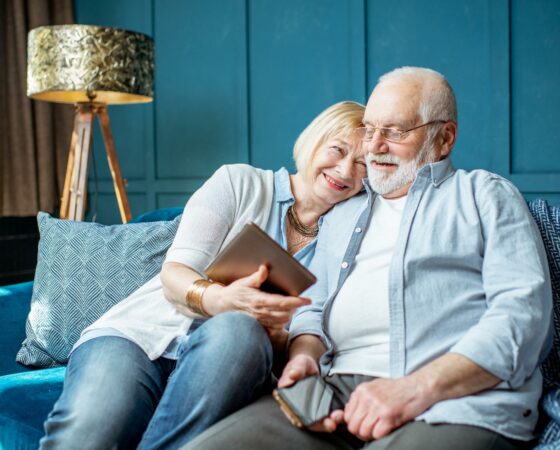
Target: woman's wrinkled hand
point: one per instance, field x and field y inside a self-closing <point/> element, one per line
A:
<point x="273" y="311"/>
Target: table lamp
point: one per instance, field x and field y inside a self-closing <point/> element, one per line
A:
<point x="91" y="67"/>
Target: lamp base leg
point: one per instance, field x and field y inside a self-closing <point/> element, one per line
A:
<point x="75" y="184"/>
<point x="118" y="182"/>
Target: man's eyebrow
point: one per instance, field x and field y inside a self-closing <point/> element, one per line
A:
<point x="401" y="126"/>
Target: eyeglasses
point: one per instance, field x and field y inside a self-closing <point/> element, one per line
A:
<point x="391" y="134"/>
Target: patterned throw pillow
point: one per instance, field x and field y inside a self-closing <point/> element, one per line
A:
<point x="548" y="221"/>
<point x="550" y="437"/>
<point x="84" y="269"/>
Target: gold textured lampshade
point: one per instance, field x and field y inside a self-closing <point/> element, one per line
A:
<point x="84" y="63"/>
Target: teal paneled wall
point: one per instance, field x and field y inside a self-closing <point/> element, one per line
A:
<point x="237" y="81"/>
<point x="303" y="57"/>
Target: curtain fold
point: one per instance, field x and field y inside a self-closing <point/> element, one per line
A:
<point x="34" y="135"/>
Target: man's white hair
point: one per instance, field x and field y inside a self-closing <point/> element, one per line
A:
<point x="437" y="97"/>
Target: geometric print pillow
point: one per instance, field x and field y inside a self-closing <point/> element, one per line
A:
<point x="83" y="269"/>
<point x="548" y="221"/>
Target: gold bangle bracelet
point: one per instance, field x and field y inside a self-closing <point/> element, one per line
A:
<point x="194" y="296"/>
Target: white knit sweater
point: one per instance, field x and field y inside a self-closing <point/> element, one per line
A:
<point x="233" y="196"/>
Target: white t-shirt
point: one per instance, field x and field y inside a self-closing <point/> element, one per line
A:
<point x="358" y="322"/>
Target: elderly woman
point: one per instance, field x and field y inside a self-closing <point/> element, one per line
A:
<point x="151" y="372"/>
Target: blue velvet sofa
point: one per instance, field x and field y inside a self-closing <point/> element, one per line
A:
<point x="27" y="396"/>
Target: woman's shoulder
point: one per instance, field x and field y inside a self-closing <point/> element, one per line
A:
<point x="245" y="175"/>
<point x="244" y="170"/>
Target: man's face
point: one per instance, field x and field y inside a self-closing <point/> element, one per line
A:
<point x="392" y="166"/>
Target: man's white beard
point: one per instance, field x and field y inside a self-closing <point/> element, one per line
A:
<point x="384" y="183"/>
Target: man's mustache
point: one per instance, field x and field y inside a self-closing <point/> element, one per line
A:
<point x="383" y="159"/>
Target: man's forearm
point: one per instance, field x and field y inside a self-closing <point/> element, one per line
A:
<point x="307" y="344"/>
<point x="451" y="376"/>
<point x="304" y="353"/>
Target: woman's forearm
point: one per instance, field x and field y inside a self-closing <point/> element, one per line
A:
<point x="271" y="310"/>
<point x="176" y="279"/>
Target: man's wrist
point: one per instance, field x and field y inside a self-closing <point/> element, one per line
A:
<point x="427" y="387"/>
<point x="309" y="344"/>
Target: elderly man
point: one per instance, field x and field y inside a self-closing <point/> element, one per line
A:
<point x="433" y="305"/>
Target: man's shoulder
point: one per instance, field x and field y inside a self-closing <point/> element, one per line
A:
<point x="481" y="180"/>
<point x="478" y="175"/>
<point x="487" y="189"/>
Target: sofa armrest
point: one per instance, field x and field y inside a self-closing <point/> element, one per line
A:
<point x="14" y="307"/>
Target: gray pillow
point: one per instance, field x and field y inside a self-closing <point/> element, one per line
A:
<point x="83" y="269"/>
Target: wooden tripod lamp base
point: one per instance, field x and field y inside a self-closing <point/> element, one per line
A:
<point x="75" y="184"/>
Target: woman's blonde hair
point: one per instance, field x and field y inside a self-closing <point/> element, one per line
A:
<point x="337" y="120"/>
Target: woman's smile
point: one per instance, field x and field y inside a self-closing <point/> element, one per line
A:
<point x="334" y="183"/>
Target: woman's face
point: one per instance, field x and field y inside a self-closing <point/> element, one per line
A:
<point x="337" y="169"/>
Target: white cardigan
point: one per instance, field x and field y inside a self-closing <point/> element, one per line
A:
<point x="234" y="195"/>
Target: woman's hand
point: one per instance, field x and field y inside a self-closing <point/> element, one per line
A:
<point x="273" y="311"/>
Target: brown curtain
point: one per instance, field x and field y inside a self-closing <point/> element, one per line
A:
<point x="34" y="135"/>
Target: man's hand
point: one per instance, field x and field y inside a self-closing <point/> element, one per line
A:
<point x="300" y="366"/>
<point x="377" y="407"/>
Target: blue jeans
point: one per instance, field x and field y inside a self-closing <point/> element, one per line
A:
<point x="115" y="397"/>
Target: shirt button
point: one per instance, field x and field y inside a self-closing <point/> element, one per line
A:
<point x="344" y="265"/>
<point x="358" y="230"/>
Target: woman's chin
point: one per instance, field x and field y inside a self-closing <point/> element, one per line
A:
<point x="331" y="198"/>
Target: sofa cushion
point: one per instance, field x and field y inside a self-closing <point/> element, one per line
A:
<point x="14" y="307"/>
<point x="25" y="401"/>
<point x="82" y="270"/>
<point x="548" y="221"/>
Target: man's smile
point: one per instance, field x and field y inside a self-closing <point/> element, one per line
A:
<point x="383" y="166"/>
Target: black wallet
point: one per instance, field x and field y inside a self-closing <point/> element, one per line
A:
<point x="307" y="401"/>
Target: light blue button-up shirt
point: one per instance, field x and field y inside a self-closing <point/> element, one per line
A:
<point x="469" y="275"/>
<point x="276" y="226"/>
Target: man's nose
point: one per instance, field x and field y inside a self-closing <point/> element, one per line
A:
<point x="376" y="145"/>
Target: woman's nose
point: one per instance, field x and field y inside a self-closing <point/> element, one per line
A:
<point x="345" y="166"/>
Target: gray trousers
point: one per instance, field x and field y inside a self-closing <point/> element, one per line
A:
<point x="262" y="425"/>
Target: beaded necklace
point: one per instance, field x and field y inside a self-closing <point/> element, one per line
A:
<point x="300" y="228"/>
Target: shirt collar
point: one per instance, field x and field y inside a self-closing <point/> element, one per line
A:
<point x="282" y="186"/>
<point x="438" y="172"/>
